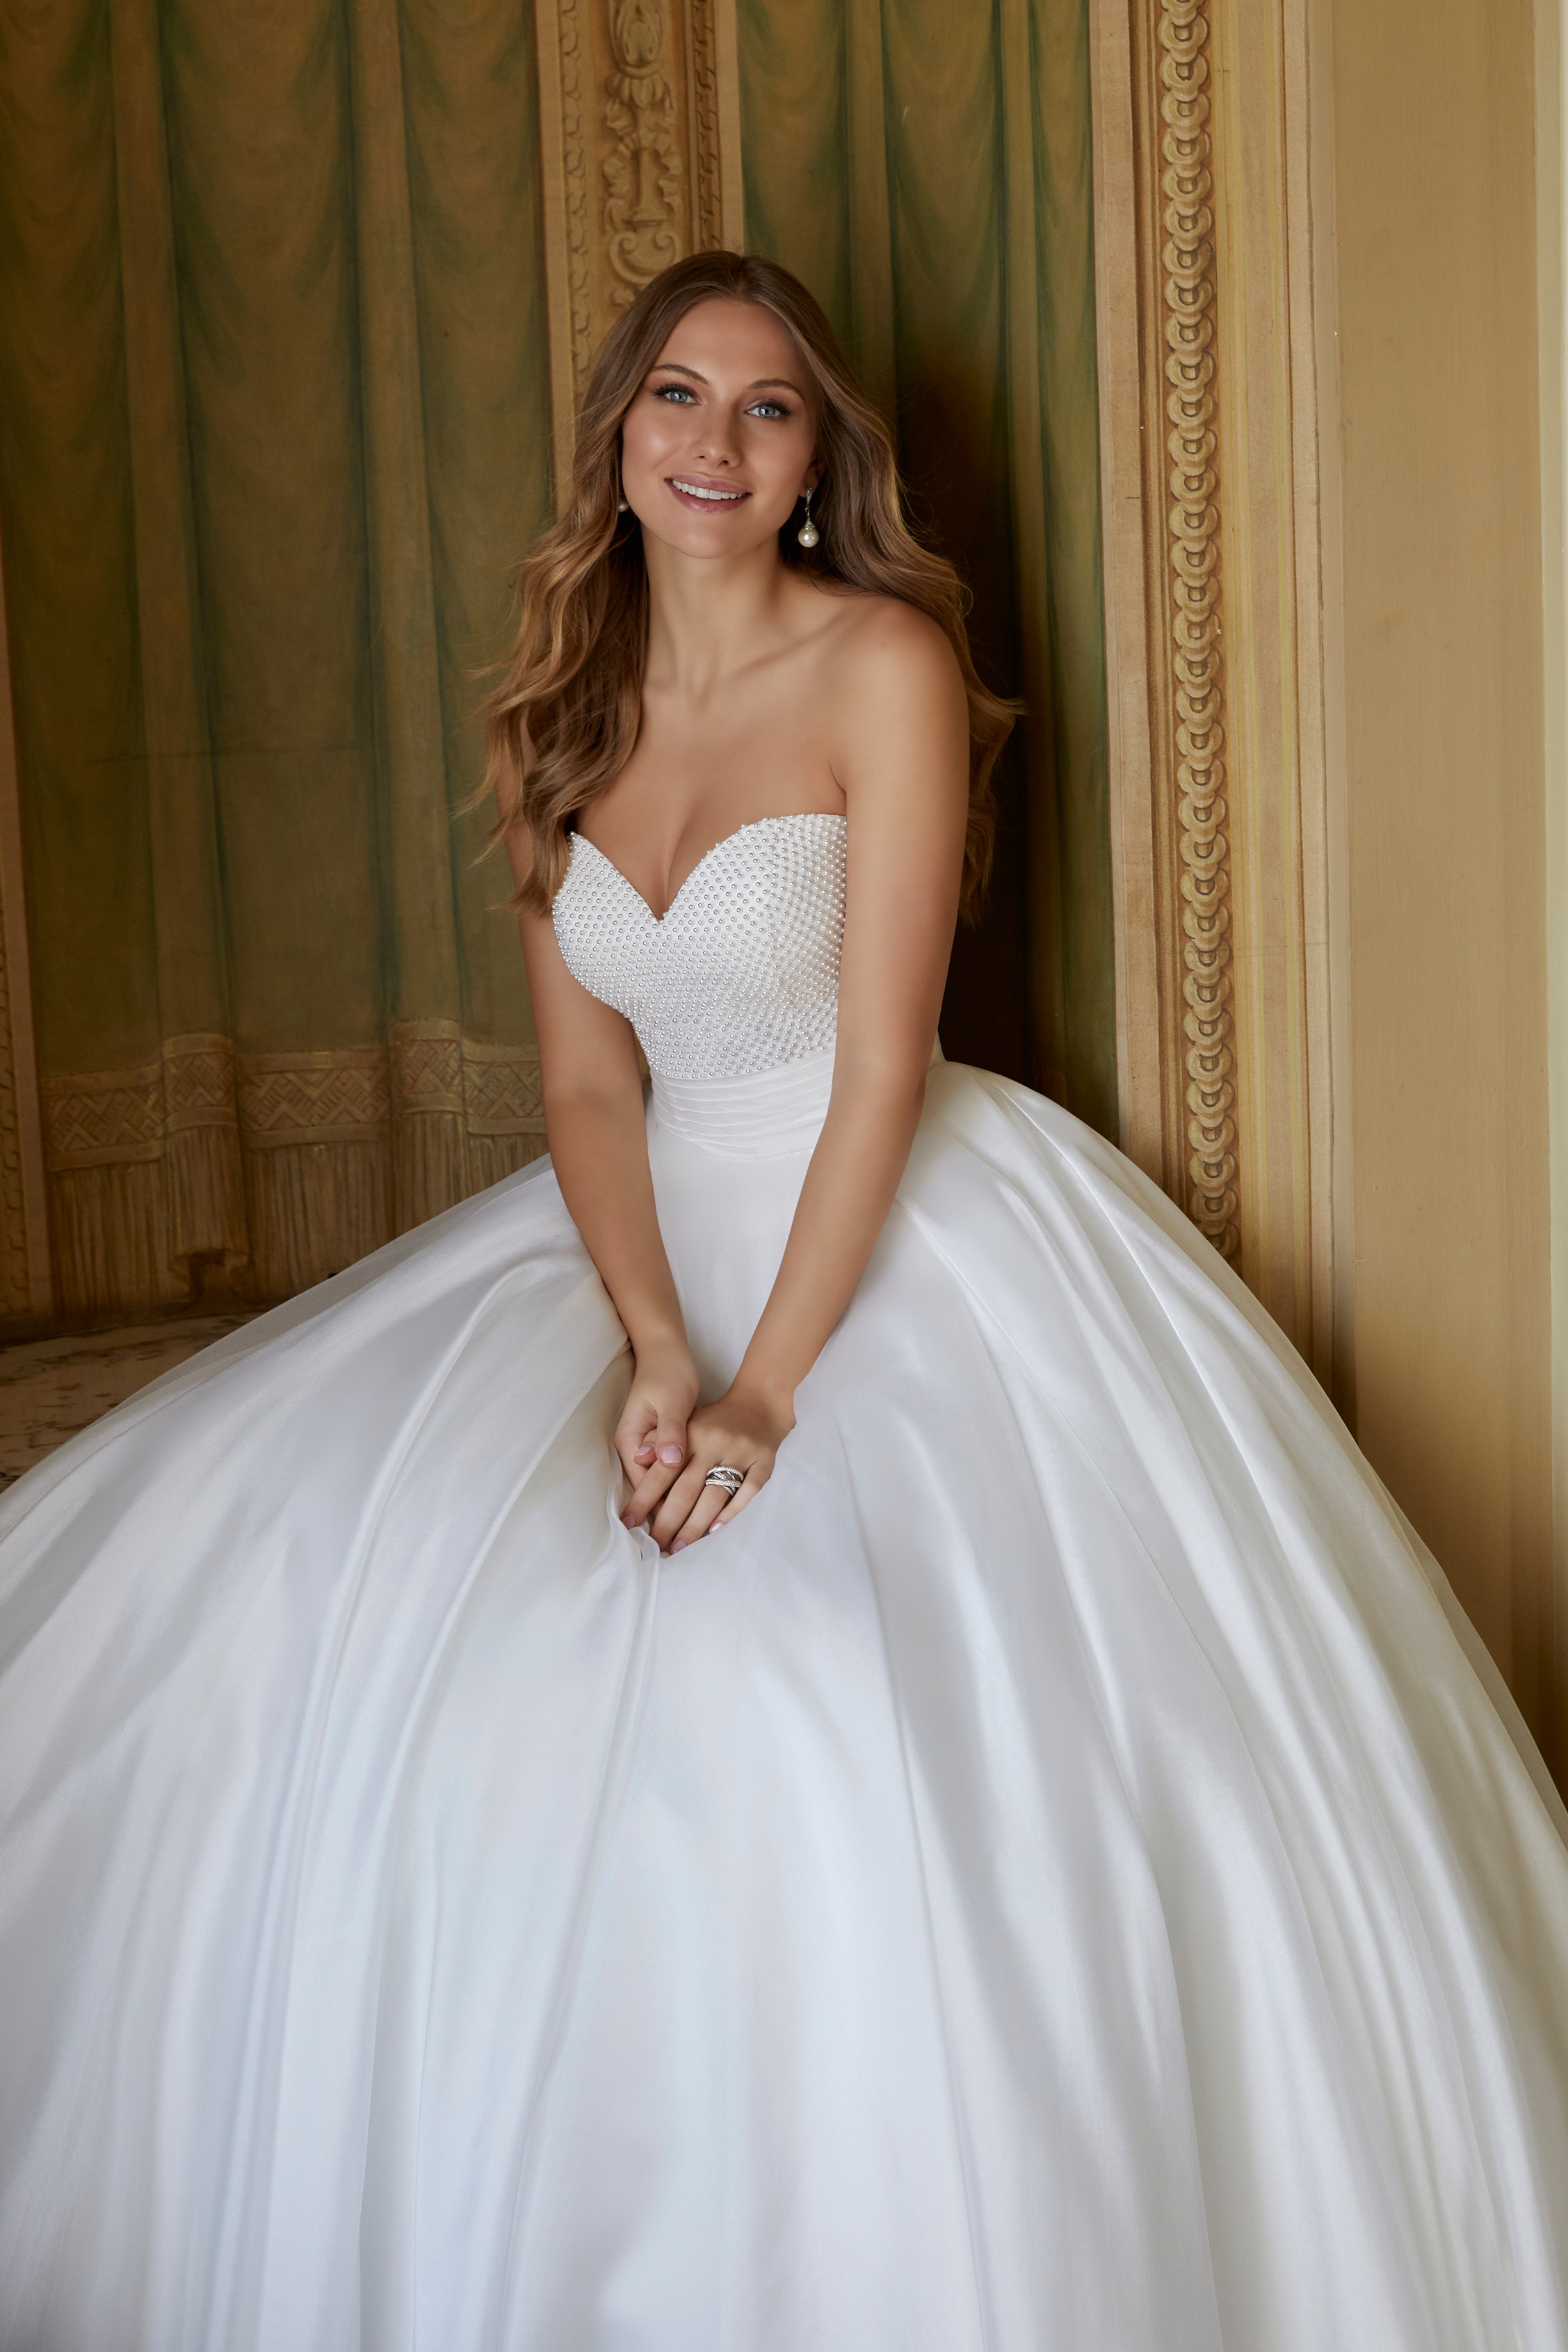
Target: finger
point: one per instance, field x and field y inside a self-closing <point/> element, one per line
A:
<point x="679" y="1504"/>
<point x="647" y="1434"/>
<point x="650" y="1469"/>
<point x="634" y="1434"/>
<point x="646" y="1492"/>
<point x="703" y="1512"/>
<point x="650" y="1450"/>
<point x="667" y="1442"/>
<point x="750" y="1487"/>
<point x="636" y="1454"/>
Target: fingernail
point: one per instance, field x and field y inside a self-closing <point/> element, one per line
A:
<point x="628" y="1518"/>
<point x="671" y="1454"/>
<point x="680" y="1543"/>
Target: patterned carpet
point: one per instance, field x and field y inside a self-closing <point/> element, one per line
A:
<point x="51" y="1388"/>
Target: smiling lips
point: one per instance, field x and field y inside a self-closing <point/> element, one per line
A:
<point x="702" y="497"/>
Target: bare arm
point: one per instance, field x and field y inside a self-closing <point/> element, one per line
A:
<point x="902" y="757"/>
<point x="599" y="1145"/>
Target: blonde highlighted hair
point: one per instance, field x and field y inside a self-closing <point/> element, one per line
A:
<point x="563" y="719"/>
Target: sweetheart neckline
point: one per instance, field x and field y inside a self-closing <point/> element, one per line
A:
<point x="752" y="824"/>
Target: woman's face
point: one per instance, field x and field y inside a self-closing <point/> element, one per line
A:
<point x="717" y="446"/>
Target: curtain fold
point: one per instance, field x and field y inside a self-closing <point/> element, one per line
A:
<point x="276" y="424"/>
<point x="924" y="166"/>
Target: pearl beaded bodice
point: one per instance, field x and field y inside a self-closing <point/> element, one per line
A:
<point x="741" y="971"/>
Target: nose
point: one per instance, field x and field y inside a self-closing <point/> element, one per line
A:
<point x="719" y="445"/>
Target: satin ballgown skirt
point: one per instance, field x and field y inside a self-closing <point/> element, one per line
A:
<point x="1057" y="1875"/>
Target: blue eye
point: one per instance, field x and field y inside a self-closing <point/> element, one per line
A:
<point x="678" y="392"/>
<point x="771" y="407"/>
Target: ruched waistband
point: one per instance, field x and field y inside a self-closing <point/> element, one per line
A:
<point x="761" y="1118"/>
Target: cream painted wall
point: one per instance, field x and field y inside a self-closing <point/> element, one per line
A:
<point x="1435" y="579"/>
<point x="1552" y="218"/>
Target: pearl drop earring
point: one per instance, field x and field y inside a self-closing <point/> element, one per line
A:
<point x="808" y="534"/>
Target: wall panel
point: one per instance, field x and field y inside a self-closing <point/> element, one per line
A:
<point x="1433" y="160"/>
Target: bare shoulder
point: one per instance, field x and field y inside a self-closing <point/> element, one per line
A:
<point x="890" y="681"/>
<point x="883" y="636"/>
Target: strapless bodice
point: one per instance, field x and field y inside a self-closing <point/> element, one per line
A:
<point x="740" y="974"/>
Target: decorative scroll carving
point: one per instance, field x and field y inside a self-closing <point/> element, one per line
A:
<point x="1196" y="661"/>
<point x="645" y="208"/>
<point x="638" y="129"/>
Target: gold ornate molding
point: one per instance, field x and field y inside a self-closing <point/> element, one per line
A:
<point x="1195" y="682"/>
<point x="640" y="150"/>
<point x="1210" y="493"/>
<point x="1159" y="330"/>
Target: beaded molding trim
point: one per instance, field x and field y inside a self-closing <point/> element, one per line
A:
<point x="1194" y="580"/>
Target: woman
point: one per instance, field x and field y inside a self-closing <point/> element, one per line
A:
<point x="1046" y="1866"/>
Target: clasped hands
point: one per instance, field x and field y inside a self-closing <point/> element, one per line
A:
<point x="668" y="1443"/>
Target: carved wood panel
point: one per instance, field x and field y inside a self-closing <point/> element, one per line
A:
<point x="640" y="141"/>
<point x="1207" y="438"/>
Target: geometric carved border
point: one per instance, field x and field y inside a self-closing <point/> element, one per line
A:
<point x="358" y="1095"/>
<point x="284" y="1167"/>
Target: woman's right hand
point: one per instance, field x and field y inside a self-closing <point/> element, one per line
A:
<point x="651" y="1436"/>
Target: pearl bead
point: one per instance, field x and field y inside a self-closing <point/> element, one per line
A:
<point x="741" y="971"/>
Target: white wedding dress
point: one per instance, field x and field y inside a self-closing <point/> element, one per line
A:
<point x="1057" y="1875"/>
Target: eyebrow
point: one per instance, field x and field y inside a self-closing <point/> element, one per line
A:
<point x="760" y="383"/>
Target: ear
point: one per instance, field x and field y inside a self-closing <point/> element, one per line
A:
<point x="814" y="472"/>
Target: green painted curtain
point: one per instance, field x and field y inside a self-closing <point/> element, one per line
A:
<point x="924" y="166"/>
<point x="274" y="425"/>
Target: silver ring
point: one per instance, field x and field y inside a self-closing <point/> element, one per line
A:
<point x="725" y="1474"/>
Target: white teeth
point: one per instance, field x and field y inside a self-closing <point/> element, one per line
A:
<point x="720" y="498"/>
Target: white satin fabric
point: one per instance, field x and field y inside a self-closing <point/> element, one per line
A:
<point x="1057" y="1875"/>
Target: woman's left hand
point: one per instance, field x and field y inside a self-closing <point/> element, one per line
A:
<point x="742" y="1428"/>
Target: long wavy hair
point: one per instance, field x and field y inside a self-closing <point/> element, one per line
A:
<point x="563" y="719"/>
